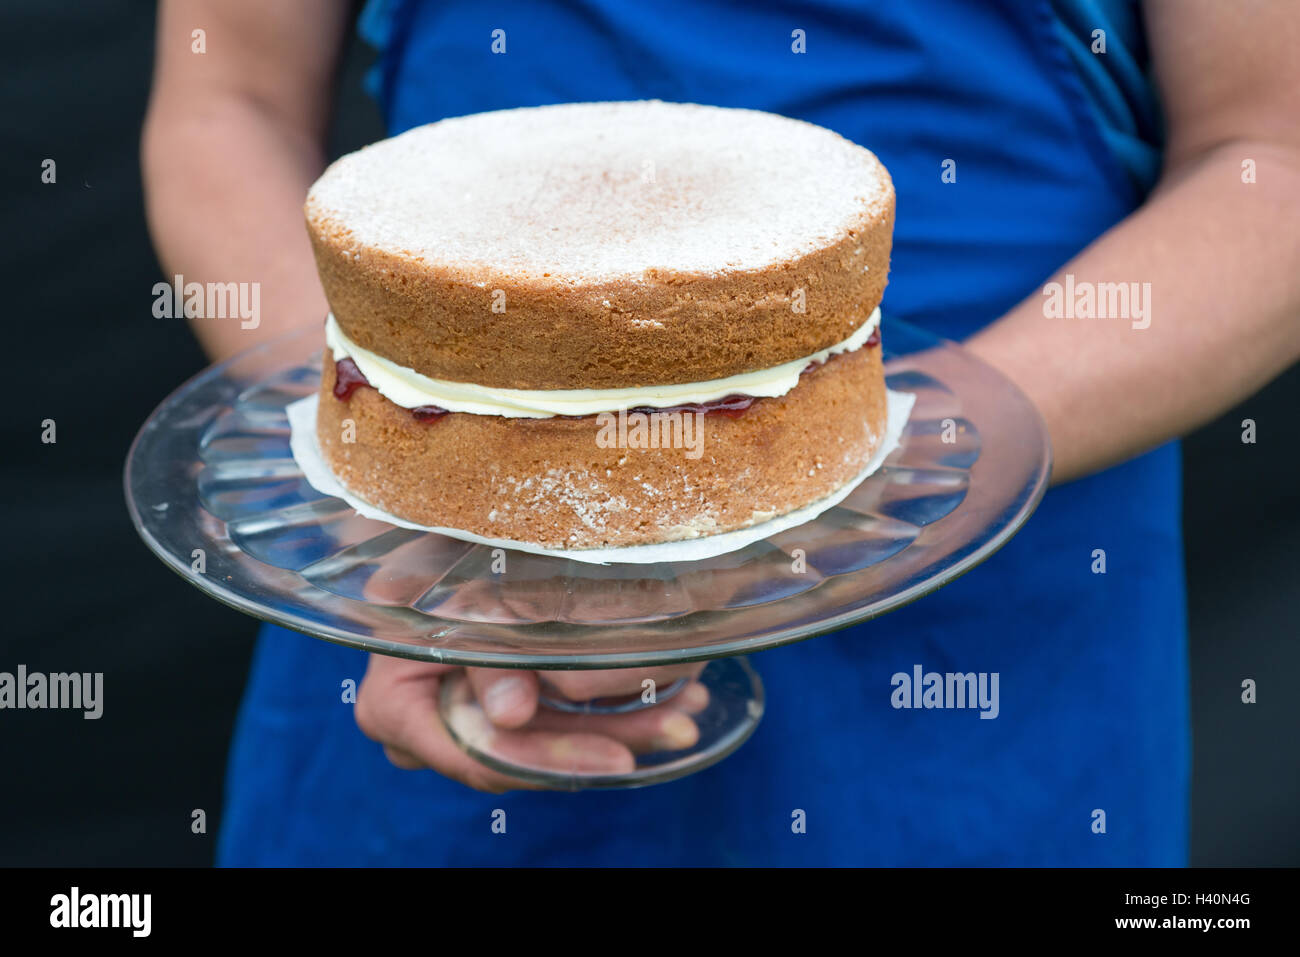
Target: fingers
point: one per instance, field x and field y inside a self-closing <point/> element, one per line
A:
<point x="665" y="727"/>
<point x="564" y="752"/>
<point x="693" y="699"/>
<point x="496" y="711"/>
<point x="397" y="706"/>
<point x="509" y="698"/>
<point x="403" y="759"/>
<point x="570" y="751"/>
<point x="585" y="685"/>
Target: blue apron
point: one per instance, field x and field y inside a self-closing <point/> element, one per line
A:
<point x="1093" y="673"/>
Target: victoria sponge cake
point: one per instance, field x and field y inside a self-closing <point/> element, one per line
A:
<point x="602" y="324"/>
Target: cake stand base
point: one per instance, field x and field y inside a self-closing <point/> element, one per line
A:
<point x="733" y="712"/>
<point x="213" y="488"/>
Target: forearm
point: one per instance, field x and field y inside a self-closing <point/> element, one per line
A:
<point x="1224" y="312"/>
<point x="232" y="142"/>
<point x="234" y="215"/>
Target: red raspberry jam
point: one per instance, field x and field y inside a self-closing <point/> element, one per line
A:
<point x="347" y="379"/>
<point x="730" y="405"/>
<point x="428" y="413"/>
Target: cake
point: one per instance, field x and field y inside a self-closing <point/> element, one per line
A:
<point x="602" y="324"/>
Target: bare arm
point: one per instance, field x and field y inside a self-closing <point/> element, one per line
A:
<point x="232" y="140"/>
<point x="1222" y="255"/>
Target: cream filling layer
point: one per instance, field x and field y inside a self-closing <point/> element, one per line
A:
<point x="411" y="389"/>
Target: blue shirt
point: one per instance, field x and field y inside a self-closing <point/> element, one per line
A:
<point x="1093" y="676"/>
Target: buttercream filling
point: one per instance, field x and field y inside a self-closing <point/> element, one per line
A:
<point x="412" y="390"/>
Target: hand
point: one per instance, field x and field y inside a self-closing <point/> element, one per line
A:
<point x="397" y="705"/>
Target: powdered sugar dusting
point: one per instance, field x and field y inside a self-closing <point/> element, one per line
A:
<point x="574" y="488"/>
<point x="598" y="191"/>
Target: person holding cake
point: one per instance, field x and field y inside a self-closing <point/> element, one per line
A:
<point x="1029" y="147"/>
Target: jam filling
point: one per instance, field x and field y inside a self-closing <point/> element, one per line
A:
<point x="732" y="406"/>
<point x="428" y="413"/>
<point x="348" y="378"/>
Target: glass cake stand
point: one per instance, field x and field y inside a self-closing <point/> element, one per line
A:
<point x="214" y="491"/>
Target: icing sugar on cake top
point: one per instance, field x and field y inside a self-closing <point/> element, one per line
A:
<point x="592" y="192"/>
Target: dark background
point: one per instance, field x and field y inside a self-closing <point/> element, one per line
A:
<point x="84" y="594"/>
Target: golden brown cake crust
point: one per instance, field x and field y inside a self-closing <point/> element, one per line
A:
<point x="549" y="482"/>
<point x="603" y="245"/>
<point x="439" y="321"/>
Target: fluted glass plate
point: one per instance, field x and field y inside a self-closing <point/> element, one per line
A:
<point x="214" y="491"/>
